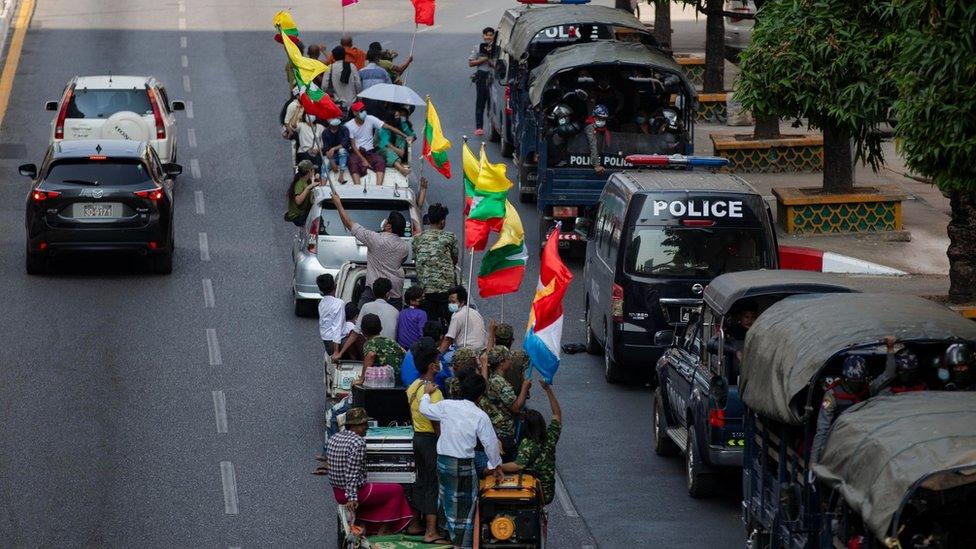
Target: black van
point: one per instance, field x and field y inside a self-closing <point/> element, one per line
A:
<point x="658" y="238"/>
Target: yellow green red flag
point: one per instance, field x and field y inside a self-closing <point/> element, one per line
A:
<point x="435" y="144"/>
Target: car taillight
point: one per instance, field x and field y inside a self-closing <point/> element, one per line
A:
<point x="154" y="194"/>
<point x="617" y="303"/>
<point x="62" y="114"/>
<point x="41" y="196"/>
<point x="564" y="211"/>
<point x="716" y="418"/>
<point x="508" y="97"/>
<point x="313" y="235"/>
<point x="157" y="114"/>
<point x="743" y="10"/>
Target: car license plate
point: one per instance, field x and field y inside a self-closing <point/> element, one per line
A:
<point x="685" y="314"/>
<point x="97" y="210"/>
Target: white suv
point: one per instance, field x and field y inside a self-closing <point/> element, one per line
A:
<point x="134" y="108"/>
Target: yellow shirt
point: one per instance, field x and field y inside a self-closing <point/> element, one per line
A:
<point x="420" y="422"/>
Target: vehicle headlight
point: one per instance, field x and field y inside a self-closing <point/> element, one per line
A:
<point x="502" y="527"/>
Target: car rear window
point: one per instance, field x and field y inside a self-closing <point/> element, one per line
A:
<point x="104" y="103"/>
<point x="103" y="172"/>
<point x="368" y="213"/>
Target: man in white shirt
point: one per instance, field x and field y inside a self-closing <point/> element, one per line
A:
<point x="467" y="327"/>
<point x="463" y="424"/>
<point x="364" y="155"/>
<point x="381" y="307"/>
<point x="309" y="133"/>
<point x="332" y="313"/>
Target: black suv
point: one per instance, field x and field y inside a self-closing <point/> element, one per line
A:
<point x="92" y="195"/>
<point x="697" y="410"/>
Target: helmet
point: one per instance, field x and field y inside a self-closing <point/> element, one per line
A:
<point x="958" y="353"/>
<point x="854" y="369"/>
<point x="671" y="119"/>
<point x="906" y="361"/>
<point x="601" y="111"/>
<point x="560" y="111"/>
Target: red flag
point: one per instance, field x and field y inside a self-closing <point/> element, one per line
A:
<point x="348" y="2"/>
<point x="423" y="12"/>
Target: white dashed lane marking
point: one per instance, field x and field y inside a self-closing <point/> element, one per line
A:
<point x="189" y="110"/>
<point x="182" y="8"/>
<point x="183" y="42"/>
<point x="204" y="247"/>
<point x="195" y="168"/>
<point x="209" y="301"/>
<point x="182" y="23"/>
<point x="229" y="481"/>
<point x="186" y="84"/>
<point x="198" y="199"/>
<point x="184" y="61"/>
<point x="220" y="411"/>
<point x="425" y="29"/>
<point x="476" y="14"/>
<point x="213" y="347"/>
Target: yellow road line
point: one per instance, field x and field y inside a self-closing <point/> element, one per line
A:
<point x="13" y="55"/>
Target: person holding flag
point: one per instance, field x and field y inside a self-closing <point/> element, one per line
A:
<point x="308" y="75"/>
<point x="545" y="327"/>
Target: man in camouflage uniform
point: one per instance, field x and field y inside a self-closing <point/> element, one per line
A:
<point x="505" y="335"/>
<point x="379" y="350"/>
<point x="500" y="401"/>
<point x="435" y="253"/>
<point x="463" y="357"/>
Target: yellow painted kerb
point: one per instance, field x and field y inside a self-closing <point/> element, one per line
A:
<point x="13" y="55"/>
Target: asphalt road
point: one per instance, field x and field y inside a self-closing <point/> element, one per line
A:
<point x="109" y="431"/>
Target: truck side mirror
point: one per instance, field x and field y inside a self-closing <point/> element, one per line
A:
<point x="582" y="227"/>
<point x="712" y="345"/>
<point x="664" y="338"/>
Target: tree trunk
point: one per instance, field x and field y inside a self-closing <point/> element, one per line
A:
<point x="962" y="247"/>
<point x="623" y="5"/>
<point x="767" y="127"/>
<point x="662" y="23"/>
<point x="838" y="162"/>
<point x="714" y="48"/>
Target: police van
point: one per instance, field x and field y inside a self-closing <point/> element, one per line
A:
<point x="658" y="238"/>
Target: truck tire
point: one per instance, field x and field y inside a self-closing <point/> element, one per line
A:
<point x="508" y="149"/>
<point x="592" y="345"/>
<point x="527" y="193"/>
<point x="701" y="483"/>
<point x="306" y="308"/>
<point x="489" y="125"/>
<point x="663" y="445"/>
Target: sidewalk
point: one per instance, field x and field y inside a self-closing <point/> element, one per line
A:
<point x="8" y="11"/>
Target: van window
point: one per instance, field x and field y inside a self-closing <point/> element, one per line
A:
<point x="680" y="252"/>
<point x="368" y="213"/>
<point x="104" y="103"/>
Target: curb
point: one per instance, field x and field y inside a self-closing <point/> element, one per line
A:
<point x="7" y="15"/>
<point x="812" y="259"/>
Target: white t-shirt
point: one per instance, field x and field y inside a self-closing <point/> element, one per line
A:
<point x="362" y="134"/>
<point x="332" y="317"/>
<point x="468" y="332"/>
<point x="309" y="136"/>
<point x="388" y="317"/>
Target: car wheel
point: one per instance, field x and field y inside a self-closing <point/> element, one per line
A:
<point x="701" y="484"/>
<point x="527" y="193"/>
<point x="611" y="370"/>
<point x="306" y="308"/>
<point x="592" y="345"/>
<point x="162" y="263"/>
<point x="36" y="264"/>
<point x="663" y="445"/>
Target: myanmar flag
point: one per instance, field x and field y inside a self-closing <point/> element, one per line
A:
<point x="286" y="27"/>
<point x="435" y="144"/>
<point x="488" y="192"/>
<point x="306" y="69"/>
<point x="503" y="266"/>
<point x="318" y="103"/>
<point x="315" y="101"/>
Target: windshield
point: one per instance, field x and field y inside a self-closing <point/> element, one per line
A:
<point x="368" y="213"/>
<point x="104" y="103"/>
<point x="101" y="172"/>
<point x="694" y="252"/>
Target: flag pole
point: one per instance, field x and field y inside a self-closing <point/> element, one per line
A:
<point x="464" y="329"/>
<point x="413" y="40"/>
<point x="343" y="18"/>
<point x="503" y="307"/>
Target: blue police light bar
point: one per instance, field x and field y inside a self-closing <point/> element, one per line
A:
<point x="554" y="1"/>
<point x="677" y="160"/>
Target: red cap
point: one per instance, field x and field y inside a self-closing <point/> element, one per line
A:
<point x="358" y="106"/>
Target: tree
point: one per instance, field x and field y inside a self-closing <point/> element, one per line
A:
<point x="826" y="61"/>
<point x="714" y="79"/>
<point x="934" y="70"/>
<point x="662" y="22"/>
<point x="767" y="125"/>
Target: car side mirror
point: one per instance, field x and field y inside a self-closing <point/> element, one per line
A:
<point x="172" y="170"/>
<point x="664" y="338"/>
<point x="28" y="170"/>
<point x="178" y="106"/>
<point x="712" y="345"/>
<point x="582" y="227"/>
<point x="51" y="106"/>
<point x="718" y="388"/>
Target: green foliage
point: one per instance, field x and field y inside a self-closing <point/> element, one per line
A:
<point x="936" y="77"/>
<point x="826" y="61"/>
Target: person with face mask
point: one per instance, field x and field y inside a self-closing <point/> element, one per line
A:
<point x="335" y="147"/>
<point x="365" y="155"/>
<point x="902" y="372"/>
<point x="958" y="364"/>
<point x="841" y="394"/>
<point x="598" y="136"/>
<point x="641" y="124"/>
<point x="467" y="327"/>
